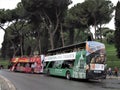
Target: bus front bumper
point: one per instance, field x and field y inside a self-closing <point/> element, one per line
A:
<point x="96" y="75"/>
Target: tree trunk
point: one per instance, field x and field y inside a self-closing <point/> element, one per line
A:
<point x="62" y="36"/>
<point x="100" y="33"/>
<point x="91" y="35"/>
<point x="39" y="45"/>
<point x="95" y="25"/>
<point x="51" y="41"/>
<point x="71" y="36"/>
<point x="95" y="31"/>
<point x="15" y="51"/>
<point x="51" y="37"/>
<point x="21" y="45"/>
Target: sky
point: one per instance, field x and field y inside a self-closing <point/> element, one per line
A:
<point x="11" y="4"/>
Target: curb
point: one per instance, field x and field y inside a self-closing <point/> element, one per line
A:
<point x="113" y="77"/>
<point x="9" y="83"/>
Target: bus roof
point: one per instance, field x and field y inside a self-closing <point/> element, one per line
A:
<point x="82" y="45"/>
<point x="69" y="47"/>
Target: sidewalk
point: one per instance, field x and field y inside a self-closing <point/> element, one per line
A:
<point x="6" y="84"/>
<point x="113" y="77"/>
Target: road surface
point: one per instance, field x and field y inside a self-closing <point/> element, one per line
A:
<point x="23" y="81"/>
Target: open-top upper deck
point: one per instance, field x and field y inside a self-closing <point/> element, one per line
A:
<point x="89" y="46"/>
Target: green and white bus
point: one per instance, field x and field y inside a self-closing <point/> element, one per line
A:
<point x="86" y="60"/>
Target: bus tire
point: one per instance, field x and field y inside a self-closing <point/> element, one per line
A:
<point x="68" y="76"/>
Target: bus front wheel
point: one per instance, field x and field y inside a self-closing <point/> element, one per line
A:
<point x="68" y="76"/>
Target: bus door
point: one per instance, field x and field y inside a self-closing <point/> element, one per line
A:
<point x="56" y="69"/>
<point x="79" y="69"/>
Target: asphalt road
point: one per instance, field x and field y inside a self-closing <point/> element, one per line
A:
<point x="23" y="81"/>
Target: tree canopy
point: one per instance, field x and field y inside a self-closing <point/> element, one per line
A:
<point x="39" y="25"/>
<point x="97" y="12"/>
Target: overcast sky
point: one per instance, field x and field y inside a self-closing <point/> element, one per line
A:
<point x="10" y="4"/>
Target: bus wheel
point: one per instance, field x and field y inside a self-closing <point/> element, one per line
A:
<point x="68" y="76"/>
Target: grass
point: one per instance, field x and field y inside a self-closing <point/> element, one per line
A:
<point x="112" y="59"/>
<point x="3" y="62"/>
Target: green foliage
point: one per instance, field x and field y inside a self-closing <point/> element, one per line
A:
<point x="98" y="12"/>
<point x="49" y="12"/>
<point x="98" y="8"/>
<point x="5" y="15"/>
<point x="10" y="15"/>
<point x="117" y="31"/>
<point x="110" y="37"/>
<point x="38" y="25"/>
<point x="112" y="59"/>
<point x="5" y="63"/>
<point x="106" y="30"/>
<point x="90" y="12"/>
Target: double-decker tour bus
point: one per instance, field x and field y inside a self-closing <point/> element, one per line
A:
<point x="86" y="60"/>
<point x="32" y="64"/>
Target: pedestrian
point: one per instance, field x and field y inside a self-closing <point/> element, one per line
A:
<point x="116" y="71"/>
<point x="109" y="72"/>
<point x="1" y="67"/>
<point x="32" y="68"/>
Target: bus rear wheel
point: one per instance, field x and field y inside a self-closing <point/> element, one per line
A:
<point x="68" y="76"/>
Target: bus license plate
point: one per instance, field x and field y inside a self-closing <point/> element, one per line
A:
<point x="97" y="71"/>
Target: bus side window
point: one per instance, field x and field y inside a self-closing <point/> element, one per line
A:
<point x="75" y="50"/>
<point x="71" y="63"/>
<point x="51" y="64"/>
<point x="65" y="65"/>
<point x="57" y="64"/>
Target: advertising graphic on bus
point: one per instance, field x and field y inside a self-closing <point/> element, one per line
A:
<point x="85" y="60"/>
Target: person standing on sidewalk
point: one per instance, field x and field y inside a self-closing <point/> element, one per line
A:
<point x="110" y="72"/>
<point x="116" y="71"/>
